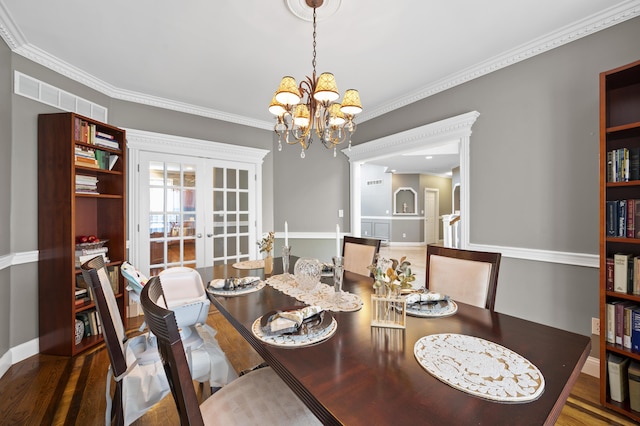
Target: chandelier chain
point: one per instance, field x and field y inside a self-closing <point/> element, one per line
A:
<point x="313" y="62"/>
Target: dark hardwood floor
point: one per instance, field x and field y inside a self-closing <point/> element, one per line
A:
<point x="52" y="390"/>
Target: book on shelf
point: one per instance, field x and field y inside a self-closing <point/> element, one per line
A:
<point x="114" y="278"/>
<point x="634" y="163"/>
<point x="102" y="158"/>
<point x="623" y="165"/>
<point x="636" y="276"/>
<point x="609" y="263"/>
<point x="631" y="214"/>
<point x="610" y="322"/>
<point x="627" y="329"/>
<point x="635" y="329"/>
<point x="619" y="322"/>
<point x="86" y="257"/>
<point x="634" y="385"/>
<point x="623" y="263"/>
<point x="113" y="158"/>
<point x="612" y="218"/>
<point x="82" y="301"/>
<point x="622" y="218"/>
<point x="80" y="283"/>
<point x="86" y="184"/>
<point x="104" y="135"/>
<point x="107" y="143"/>
<point x="618" y="377"/>
<point x="94" y="251"/>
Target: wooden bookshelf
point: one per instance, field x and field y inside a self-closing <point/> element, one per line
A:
<point x="64" y="214"/>
<point x="619" y="130"/>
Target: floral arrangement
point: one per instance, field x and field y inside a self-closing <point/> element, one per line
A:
<point x="392" y="274"/>
<point x="266" y="244"/>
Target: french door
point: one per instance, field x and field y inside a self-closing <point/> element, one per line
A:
<point x="194" y="211"/>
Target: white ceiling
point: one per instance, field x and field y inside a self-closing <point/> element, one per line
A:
<point x="225" y="58"/>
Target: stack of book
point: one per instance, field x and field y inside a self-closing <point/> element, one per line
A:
<point x="82" y="296"/>
<point x="86" y="254"/>
<point x="86" y="157"/>
<point x="106" y="140"/>
<point x="86" y="184"/>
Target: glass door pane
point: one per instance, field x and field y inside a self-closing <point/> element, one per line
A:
<point x="232" y="216"/>
<point x="172" y="203"/>
<point x="194" y="212"/>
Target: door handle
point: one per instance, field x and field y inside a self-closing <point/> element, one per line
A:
<point x="199" y="235"/>
<point x="209" y="235"/>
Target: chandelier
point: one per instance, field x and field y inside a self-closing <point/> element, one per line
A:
<point x="308" y="108"/>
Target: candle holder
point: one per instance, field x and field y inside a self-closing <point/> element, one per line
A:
<point x="338" y="269"/>
<point x="286" y="252"/>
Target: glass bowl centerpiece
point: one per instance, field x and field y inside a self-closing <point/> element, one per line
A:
<point x="307" y="272"/>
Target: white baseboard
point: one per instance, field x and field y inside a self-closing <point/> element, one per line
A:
<point x="18" y="353"/>
<point x="5" y="362"/>
<point x="592" y="367"/>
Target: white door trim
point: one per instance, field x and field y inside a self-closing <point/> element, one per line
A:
<point x="140" y="140"/>
<point x="433" y="134"/>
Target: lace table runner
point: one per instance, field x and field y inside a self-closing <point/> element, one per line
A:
<point x="479" y="367"/>
<point x="323" y="295"/>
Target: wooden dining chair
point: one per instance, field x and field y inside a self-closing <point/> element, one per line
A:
<point x="139" y="378"/>
<point x="258" y="397"/>
<point x="358" y="253"/>
<point x="465" y="275"/>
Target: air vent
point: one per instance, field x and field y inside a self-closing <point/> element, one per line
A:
<point x="37" y="90"/>
<point x="374" y="182"/>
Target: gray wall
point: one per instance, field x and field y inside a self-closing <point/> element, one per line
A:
<point x="5" y="194"/>
<point x="534" y="168"/>
<point x="308" y="192"/>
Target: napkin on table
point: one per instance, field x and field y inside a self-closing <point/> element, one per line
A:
<point x="426" y="297"/>
<point x="287" y="321"/>
<point x="233" y="283"/>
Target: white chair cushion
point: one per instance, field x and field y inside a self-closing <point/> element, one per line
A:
<point x="357" y="257"/>
<point x="257" y="398"/>
<point x="465" y="281"/>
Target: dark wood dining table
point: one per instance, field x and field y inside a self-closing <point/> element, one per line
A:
<point x="366" y="375"/>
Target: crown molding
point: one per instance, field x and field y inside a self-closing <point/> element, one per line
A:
<point x="609" y="17"/>
<point x="408" y="140"/>
<point x="159" y="142"/>
<point x="9" y="31"/>
<point x="600" y="21"/>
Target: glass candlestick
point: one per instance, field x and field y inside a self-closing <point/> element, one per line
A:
<point x="286" y="251"/>
<point x="338" y="269"/>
